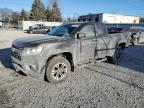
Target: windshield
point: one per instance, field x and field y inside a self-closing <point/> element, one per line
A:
<point x="64" y="30"/>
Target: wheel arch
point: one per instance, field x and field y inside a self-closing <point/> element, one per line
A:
<point x="119" y="44"/>
<point x="66" y="55"/>
<point x="122" y="44"/>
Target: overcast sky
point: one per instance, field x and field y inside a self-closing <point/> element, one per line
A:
<point x="78" y="7"/>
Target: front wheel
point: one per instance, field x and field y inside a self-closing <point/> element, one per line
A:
<point x="57" y="69"/>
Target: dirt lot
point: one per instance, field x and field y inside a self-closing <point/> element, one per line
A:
<point x="100" y="85"/>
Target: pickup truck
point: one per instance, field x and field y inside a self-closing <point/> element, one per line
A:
<point x="54" y="56"/>
<point x="38" y="29"/>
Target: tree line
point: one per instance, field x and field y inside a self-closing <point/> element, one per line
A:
<point x="38" y="13"/>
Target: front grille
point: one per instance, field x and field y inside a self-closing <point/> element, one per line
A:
<point x="16" y="52"/>
<point x="16" y="55"/>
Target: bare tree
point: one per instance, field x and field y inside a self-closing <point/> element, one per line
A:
<point x="15" y="17"/>
<point x="53" y="11"/>
<point x="5" y="14"/>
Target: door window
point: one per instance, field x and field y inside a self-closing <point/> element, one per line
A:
<point x="88" y="30"/>
<point x="100" y="29"/>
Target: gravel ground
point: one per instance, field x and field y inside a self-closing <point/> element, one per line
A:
<point x="100" y="85"/>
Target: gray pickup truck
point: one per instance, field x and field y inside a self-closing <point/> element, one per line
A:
<point x="54" y="55"/>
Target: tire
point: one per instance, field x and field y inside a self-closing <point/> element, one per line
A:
<point x="116" y="58"/>
<point x="118" y="55"/>
<point x="57" y="69"/>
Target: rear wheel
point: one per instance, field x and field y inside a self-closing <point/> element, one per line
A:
<point x="118" y="55"/>
<point x="57" y="69"/>
<point x="116" y="58"/>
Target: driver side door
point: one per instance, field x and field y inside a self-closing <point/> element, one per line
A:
<point x="86" y="45"/>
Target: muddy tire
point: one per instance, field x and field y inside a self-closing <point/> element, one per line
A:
<point x="57" y="69"/>
<point x="118" y="55"/>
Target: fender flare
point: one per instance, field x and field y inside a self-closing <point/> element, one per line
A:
<point x="113" y="48"/>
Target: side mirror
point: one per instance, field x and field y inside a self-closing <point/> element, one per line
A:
<point x="81" y="35"/>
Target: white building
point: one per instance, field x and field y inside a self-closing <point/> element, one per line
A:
<point x="24" y="25"/>
<point x="109" y="18"/>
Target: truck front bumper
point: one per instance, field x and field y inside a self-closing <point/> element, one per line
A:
<point x="31" y="68"/>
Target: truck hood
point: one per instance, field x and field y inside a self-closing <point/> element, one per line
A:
<point x="36" y="40"/>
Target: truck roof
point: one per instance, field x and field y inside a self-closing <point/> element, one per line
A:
<point x="82" y="23"/>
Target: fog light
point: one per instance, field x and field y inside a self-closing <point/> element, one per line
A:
<point x="30" y="67"/>
<point x="33" y="67"/>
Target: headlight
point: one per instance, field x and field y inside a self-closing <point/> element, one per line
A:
<point x="32" y="51"/>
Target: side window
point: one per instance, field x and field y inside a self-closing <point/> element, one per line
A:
<point x="100" y="29"/>
<point x="88" y="30"/>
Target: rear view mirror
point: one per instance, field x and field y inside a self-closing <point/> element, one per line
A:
<point x="81" y="35"/>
